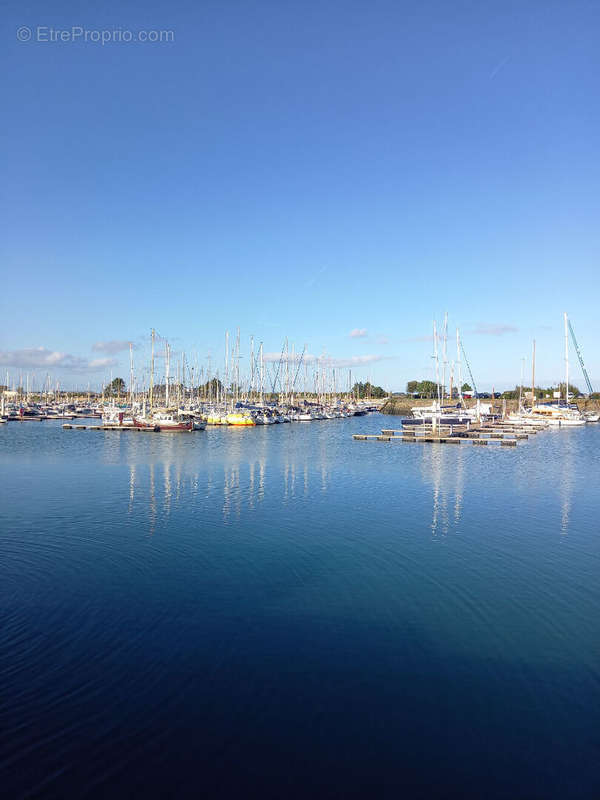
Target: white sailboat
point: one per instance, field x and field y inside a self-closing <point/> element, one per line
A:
<point x="556" y="415"/>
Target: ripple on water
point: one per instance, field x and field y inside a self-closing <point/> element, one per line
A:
<point x="219" y="593"/>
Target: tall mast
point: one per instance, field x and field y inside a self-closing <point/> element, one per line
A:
<point x="207" y="389"/>
<point x="521" y="385"/>
<point x="167" y="366"/>
<point x="131" y="373"/>
<point x="444" y="354"/>
<point x="251" y="368"/>
<point x="237" y="365"/>
<point x="437" y="361"/>
<point x="459" y="365"/>
<point x="262" y="374"/>
<point x="151" y="398"/>
<point x="287" y="371"/>
<point x="295" y="372"/>
<point x="181" y="383"/>
<point x="226" y="362"/>
<point x="533" y="376"/>
<point x="566" y="358"/>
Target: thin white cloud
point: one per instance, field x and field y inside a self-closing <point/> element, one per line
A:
<point x="111" y="347"/>
<point x="41" y="357"/>
<point x="358" y="333"/>
<point x="499" y="66"/>
<point x="353" y="361"/>
<point x="381" y="339"/>
<point x="483" y="329"/>
<point x="101" y="363"/>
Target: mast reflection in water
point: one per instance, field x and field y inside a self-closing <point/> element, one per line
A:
<point x="282" y="611"/>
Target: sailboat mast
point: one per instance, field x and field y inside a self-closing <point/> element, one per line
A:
<point x="131" y="373"/>
<point x="521" y="385"/>
<point x="459" y="365"/>
<point x="151" y="397"/>
<point x="226" y="363"/>
<point x="437" y="362"/>
<point x="167" y="366"/>
<point x="444" y="354"/>
<point x="287" y="371"/>
<point x="262" y="375"/>
<point x="533" y="377"/>
<point x="237" y="366"/>
<point x="181" y="383"/>
<point x="566" y="358"/>
<point x="252" y="369"/>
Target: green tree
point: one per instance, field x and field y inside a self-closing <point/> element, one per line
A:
<point x="412" y="387"/>
<point x="115" y="388"/>
<point x="427" y="388"/>
<point x="362" y="390"/>
<point x="212" y="388"/>
<point x="466" y="388"/>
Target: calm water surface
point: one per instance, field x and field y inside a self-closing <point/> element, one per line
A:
<point x="283" y="612"/>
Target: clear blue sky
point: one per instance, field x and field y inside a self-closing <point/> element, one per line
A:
<point x="303" y="170"/>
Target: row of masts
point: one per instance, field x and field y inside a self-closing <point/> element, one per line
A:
<point x="448" y="369"/>
<point x="567" y="328"/>
<point x="286" y="379"/>
<point x="460" y="355"/>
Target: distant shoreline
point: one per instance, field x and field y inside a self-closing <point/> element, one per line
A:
<point x="401" y="406"/>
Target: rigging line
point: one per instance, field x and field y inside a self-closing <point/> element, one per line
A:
<point x="298" y="368"/>
<point x="580" y="357"/>
<point x="278" y="368"/>
<point x="469" y="368"/>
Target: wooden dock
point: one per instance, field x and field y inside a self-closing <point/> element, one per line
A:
<point x="68" y="427"/>
<point x="501" y="440"/>
<point x="36" y="418"/>
<point x="504" y="433"/>
<point x="123" y="428"/>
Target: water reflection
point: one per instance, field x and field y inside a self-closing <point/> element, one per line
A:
<point x="152" y="499"/>
<point x="171" y="472"/>
<point x="443" y="468"/>
<point x="233" y="474"/>
<point x="566" y="485"/>
<point x="131" y="486"/>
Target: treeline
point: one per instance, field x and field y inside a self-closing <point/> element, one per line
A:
<point x="542" y="393"/>
<point x="430" y="388"/>
<point x="118" y="388"/>
<point x="363" y="390"/>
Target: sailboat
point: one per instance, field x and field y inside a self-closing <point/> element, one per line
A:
<point x="555" y="414"/>
<point x="454" y="413"/>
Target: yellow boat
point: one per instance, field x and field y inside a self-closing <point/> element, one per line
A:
<point x="240" y="419"/>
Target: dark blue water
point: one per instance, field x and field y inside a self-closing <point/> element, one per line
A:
<point x="283" y="612"/>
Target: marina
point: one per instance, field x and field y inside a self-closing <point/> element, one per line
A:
<point x="180" y="560"/>
<point x="299" y="408"/>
